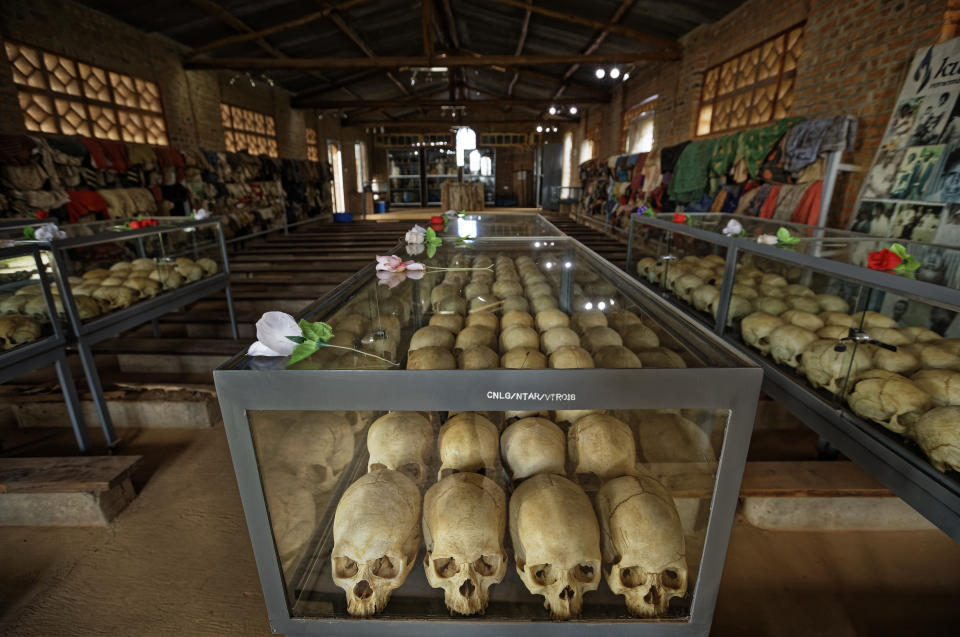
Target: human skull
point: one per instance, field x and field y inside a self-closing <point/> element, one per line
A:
<point x="16" y="329"/>
<point x="431" y="358"/>
<point x="932" y="356"/>
<point x="582" y="321"/>
<point x="479" y="357"/>
<point x="600" y="336"/>
<point x="943" y="385"/>
<point x="557" y="337"/>
<point x="825" y="367"/>
<point x="114" y="297"/>
<point x="787" y="343"/>
<point x="774" y="291"/>
<point x="660" y="357"/>
<point x="738" y="308"/>
<point x="168" y="277"/>
<point x="703" y="296"/>
<point x="665" y="435"/>
<point x="803" y="303"/>
<point x="525" y="358"/>
<point x="475" y="336"/>
<point x="468" y="442"/>
<point x="556" y="542"/>
<point x="483" y="319"/>
<point x="920" y="334"/>
<point x="551" y="318"/>
<point x="873" y="319"/>
<point x="616" y="357"/>
<point x="888" y="335"/>
<point x="143" y="287"/>
<point x="770" y="305"/>
<point x="293" y="514"/>
<point x="745" y="291"/>
<point x="36" y="308"/>
<point x="834" y="332"/>
<point x="209" y="266"/>
<point x="832" y="303"/>
<point x="642" y="541"/>
<point x="376" y="536"/>
<point x="603" y="446"/>
<point x="464" y="521"/>
<point x="802" y="319"/>
<point x="888" y="399"/>
<point x="515" y="318"/>
<point x="534" y="445"/>
<point x="571" y="357"/>
<point x="685" y="285"/>
<point x="900" y="360"/>
<point x="837" y="318"/>
<point x="756" y="328"/>
<point x="795" y="289"/>
<point x="638" y="336"/>
<point x="402" y="441"/>
<point x="518" y="336"/>
<point x="431" y="336"/>
<point x="937" y="434"/>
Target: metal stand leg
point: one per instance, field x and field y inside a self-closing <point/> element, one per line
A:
<point x="233" y="315"/>
<point x="69" y="390"/>
<point x="93" y="380"/>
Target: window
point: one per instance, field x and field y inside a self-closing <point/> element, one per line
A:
<point x="636" y="135"/>
<point x="313" y="146"/>
<point x="360" y="156"/>
<point x="61" y="95"/>
<point x="248" y="130"/>
<point x="586" y="150"/>
<point x="752" y="88"/>
<point x="336" y="165"/>
<point x="566" y="175"/>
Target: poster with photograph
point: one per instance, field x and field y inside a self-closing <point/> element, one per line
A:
<point x="918" y="162"/>
<point x="948" y="232"/>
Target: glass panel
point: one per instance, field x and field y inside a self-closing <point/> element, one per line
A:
<point x="110" y="272"/>
<point x="357" y="497"/>
<point x="24" y="314"/>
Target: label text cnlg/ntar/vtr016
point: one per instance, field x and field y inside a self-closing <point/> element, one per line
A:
<point x="521" y="395"/>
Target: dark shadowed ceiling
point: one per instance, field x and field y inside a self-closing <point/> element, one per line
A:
<point x="340" y="55"/>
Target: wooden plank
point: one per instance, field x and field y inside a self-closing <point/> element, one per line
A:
<point x="64" y="475"/>
<point x="185" y="346"/>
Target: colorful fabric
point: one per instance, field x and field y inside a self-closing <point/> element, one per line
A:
<point x="691" y="173"/>
<point x="169" y="157"/>
<point x="141" y="155"/>
<point x="803" y="142"/>
<point x="770" y="203"/>
<point x="97" y="154"/>
<point x="68" y="146"/>
<point x="808" y="210"/>
<point x="755" y="144"/>
<point x="670" y="155"/>
<point x="116" y="153"/>
<point x="84" y="203"/>
<point x="787" y="202"/>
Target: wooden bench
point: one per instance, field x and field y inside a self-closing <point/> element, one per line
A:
<point x="84" y="491"/>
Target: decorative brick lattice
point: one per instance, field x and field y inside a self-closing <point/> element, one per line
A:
<point x="61" y="95"/>
<point x="251" y="131"/>
<point x="752" y="88"/>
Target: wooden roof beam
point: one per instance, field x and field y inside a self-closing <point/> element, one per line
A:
<point x="266" y="64"/>
<point x="426" y="22"/>
<point x="277" y="28"/>
<point x="520" y="43"/>
<point x="436" y="103"/>
<point x="626" y="32"/>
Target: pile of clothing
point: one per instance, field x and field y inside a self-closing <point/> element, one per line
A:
<point x="77" y="179"/>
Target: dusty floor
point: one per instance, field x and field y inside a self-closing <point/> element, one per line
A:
<point x="178" y="562"/>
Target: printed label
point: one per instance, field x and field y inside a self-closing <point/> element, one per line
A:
<point x="520" y="395"/>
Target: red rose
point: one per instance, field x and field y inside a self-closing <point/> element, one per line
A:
<point x="135" y="225"/>
<point x="151" y="222"/>
<point x="883" y="260"/>
<point x="679" y="218"/>
<point x="41" y="214"/>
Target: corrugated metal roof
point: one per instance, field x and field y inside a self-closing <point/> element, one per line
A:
<point x="393" y="28"/>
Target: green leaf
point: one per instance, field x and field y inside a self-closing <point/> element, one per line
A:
<point x="296" y="339"/>
<point x="28" y="232"/>
<point x="462" y="213"/>
<point x="900" y="251"/>
<point x="909" y="264"/>
<point x="431" y="234"/>
<point x="784" y="237"/>
<point x="318" y="331"/>
<point x="302" y="351"/>
<point x="431" y="250"/>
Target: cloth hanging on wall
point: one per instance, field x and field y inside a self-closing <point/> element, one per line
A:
<point x="84" y="203"/>
<point x="808" y="210"/>
<point x="691" y="173"/>
<point x="669" y="156"/>
<point x="770" y="203"/>
<point x="787" y="201"/>
<point x="755" y="144"/>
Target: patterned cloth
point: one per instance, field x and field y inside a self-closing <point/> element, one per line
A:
<point x="691" y="174"/>
<point x="755" y="144"/>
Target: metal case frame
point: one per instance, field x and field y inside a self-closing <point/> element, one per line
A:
<point x="50" y="350"/>
<point x="908" y="474"/>
<point x="733" y="386"/>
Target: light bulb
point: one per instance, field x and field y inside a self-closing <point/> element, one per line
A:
<point x="552" y="110"/>
<point x="600" y="74"/>
<point x="614" y="73"/>
<point x="626" y="76"/>
<point x="573" y="110"/>
<point x="539" y="129"/>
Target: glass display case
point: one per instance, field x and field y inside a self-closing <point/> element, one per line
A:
<point x="868" y="358"/>
<point x="31" y="334"/>
<point x="481" y="166"/>
<point x="111" y="276"/>
<point x="440" y="164"/>
<point x="487" y="446"/>
<point x="491" y="225"/>
<point x="403" y="178"/>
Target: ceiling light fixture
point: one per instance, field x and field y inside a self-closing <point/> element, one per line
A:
<point x="600" y="73"/>
<point x="539" y="129"/>
<point x="552" y="110"/>
<point x="573" y="110"/>
<point x="626" y="76"/>
<point x="614" y="73"/>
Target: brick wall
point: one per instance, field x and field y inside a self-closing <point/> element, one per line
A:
<point x="191" y="99"/>
<point x="855" y="55"/>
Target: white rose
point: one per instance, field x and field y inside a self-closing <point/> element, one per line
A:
<point x="273" y="328"/>
<point x="49" y="232"/>
<point x="768" y="239"/>
<point x="733" y="228"/>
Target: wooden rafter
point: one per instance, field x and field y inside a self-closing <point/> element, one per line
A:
<point x="587" y="22"/>
<point x="520" y="43"/>
<point x="436" y="103"/>
<point x="426" y="22"/>
<point x="247" y="64"/>
<point x="621" y="11"/>
<point x="451" y="24"/>
<point x="237" y="24"/>
<point x="277" y="28"/>
<point x="346" y="81"/>
<point x="422" y="124"/>
<point x="402" y="101"/>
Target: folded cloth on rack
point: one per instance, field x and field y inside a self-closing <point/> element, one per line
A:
<point x="636" y="179"/>
<point x="70" y="146"/>
<point x="723" y="155"/>
<point x="169" y="157"/>
<point x="770" y="203"/>
<point x="787" y="201"/>
<point x="745" y="201"/>
<point x="141" y="155"/>
<point x="841" y="135"/>
<point x="83" y="203"/>
<point x="96" y="152"/>
<point x="143" y="200"/>
<point x="16" y="150"/>
<point x="46" y="154"/>
<point x="805" y="141"/>
<point x="669" y="156"/>
<point x="690" y="175"/>
<point x="755" y="144"/>
<point x="116" y="153"/>
<point x="119" y="203"/>
<point x="42" y="199"/>
<point x="808" y="210"/>
<point x="717" y="204"/>
<point x="26" y="177"/>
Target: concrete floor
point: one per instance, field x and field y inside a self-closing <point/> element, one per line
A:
<point x="178" y="562"/>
